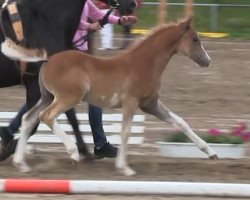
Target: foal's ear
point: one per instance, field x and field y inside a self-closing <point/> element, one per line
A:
<point x="186" y="23"/>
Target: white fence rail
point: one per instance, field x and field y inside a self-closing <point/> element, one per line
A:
<point x="112" y="127"/>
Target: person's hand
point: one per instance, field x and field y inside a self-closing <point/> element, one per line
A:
<point x="128" y="20"/>
<point x="95" y="26"/>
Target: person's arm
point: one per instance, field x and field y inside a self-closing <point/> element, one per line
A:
<point x="84" y="25"/>
<point x="97" y="14"/>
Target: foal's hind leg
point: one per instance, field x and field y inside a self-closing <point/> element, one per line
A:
<point x="157" y="109"/>
<point x="29" y="121"/>
<point x="49" y="115"/>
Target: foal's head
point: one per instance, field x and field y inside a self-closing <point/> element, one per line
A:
<point x="190" y="44"/>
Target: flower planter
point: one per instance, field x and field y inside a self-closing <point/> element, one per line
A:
<point x="190" y="150"/>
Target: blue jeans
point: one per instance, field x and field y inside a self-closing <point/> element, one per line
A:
<point x="95" y="120"/>
<point x="16" y="122"/>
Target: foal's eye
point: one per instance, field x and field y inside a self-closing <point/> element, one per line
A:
<point x="195" y="39"/>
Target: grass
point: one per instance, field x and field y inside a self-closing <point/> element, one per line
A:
<point x="232" y="20"/>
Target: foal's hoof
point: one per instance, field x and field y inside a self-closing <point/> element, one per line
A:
<point x="214" y="157"/>
<point x="22" y="167"/>
<point x="75" y="157"/>
<point x="74" y="154"/>
<point x="126" y="171"/>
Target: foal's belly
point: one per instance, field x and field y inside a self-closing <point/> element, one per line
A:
<point x="107" y="101"/>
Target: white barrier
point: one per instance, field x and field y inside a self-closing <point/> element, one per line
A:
<point x="125" y="187"/>
<point x="112" y="126"/>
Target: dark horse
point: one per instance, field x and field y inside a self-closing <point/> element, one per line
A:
<point x="47" y="34"/>
<point x="48" y="25"/>
<point x="10" y="75"/>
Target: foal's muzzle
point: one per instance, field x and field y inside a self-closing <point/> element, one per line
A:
<point x="204" y="61"/>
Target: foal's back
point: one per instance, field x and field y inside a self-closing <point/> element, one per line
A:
<point x="67" y="60"/>
<point x="73" y="60"/>
<point x="98" y="80"/>
<point x="74" y="69"/>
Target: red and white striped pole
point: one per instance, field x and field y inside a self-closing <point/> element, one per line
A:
<point x="124" y="187"/>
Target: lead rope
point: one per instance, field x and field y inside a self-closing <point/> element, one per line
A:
<point x="102" y="22"/>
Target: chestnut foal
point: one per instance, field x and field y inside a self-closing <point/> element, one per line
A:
<point x="130" y="80"/>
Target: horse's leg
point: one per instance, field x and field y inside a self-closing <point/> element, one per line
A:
<point x="121" y="164"/>
<point x="29" y="121"/>
<point x="82" y="147"/>
<point x="49" y="115"/>
<point x="9" y="73"/>
<point x="158" y="109"/>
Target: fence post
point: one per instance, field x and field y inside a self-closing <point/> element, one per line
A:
<point x="189" y="8"/>
<point x="162" y="10"/>
<point x="214" y="18"/>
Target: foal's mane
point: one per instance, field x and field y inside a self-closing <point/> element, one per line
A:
<point x="151" y="33"/>
<point x="154" y="30"/>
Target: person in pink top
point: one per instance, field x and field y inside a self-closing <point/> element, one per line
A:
<point x="90" y="11"/>
<point x="102" y="147"/>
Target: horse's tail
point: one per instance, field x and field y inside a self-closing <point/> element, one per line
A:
<point x="11" y="46"/>
<point x="17" y="52"/>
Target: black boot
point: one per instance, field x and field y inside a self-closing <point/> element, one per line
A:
<point x="107" y="150"/>
<point x="8" y="144"/>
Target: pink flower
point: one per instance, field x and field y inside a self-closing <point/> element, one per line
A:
<point x="215" y="132"/>
<point x="245" y="136"/>
<point x="239" y="129"/>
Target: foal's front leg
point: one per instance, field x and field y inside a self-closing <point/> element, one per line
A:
<point x="121" y="159"/>
<point x="157" y="109"/>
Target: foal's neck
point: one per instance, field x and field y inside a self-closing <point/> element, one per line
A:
<point x="158" y="48"/>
